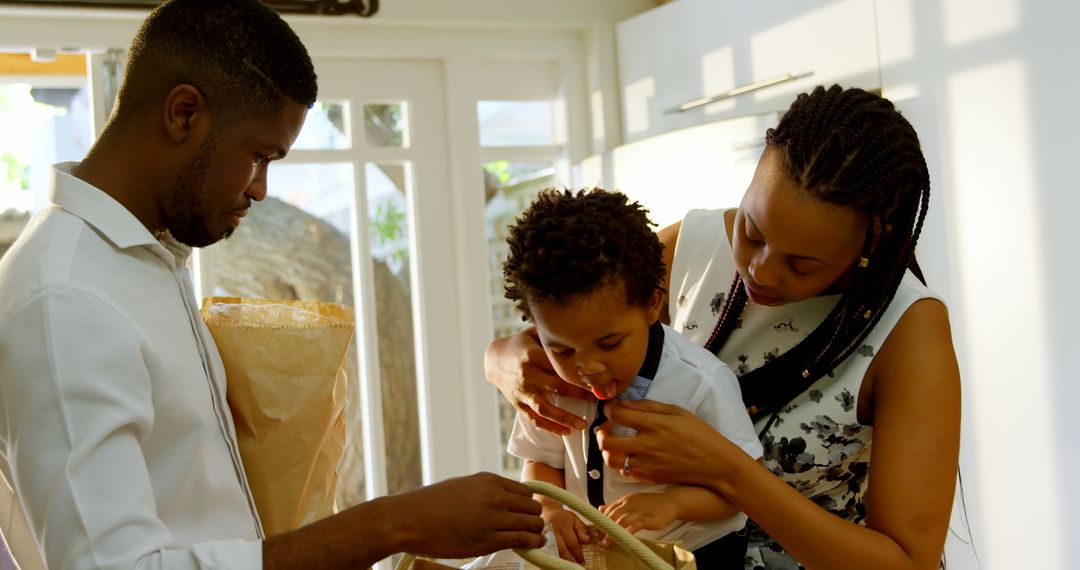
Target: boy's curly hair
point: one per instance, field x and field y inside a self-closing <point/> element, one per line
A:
<point x="568" y="244"/>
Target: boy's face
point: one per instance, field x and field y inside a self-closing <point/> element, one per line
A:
<point x="596" y="340"/>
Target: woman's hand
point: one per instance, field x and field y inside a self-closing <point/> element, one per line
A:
<point x="519" y="368"/>
<point x="672" y="445"/>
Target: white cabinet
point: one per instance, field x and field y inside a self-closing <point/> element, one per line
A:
<point x="707" y="166"/>
<point x="690" y="49"/>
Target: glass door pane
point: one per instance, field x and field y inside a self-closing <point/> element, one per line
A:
<point x="509" y="189"/>
<point x="388" y="219"/>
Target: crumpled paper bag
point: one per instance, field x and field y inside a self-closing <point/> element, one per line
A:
<point x="285" y="371"/>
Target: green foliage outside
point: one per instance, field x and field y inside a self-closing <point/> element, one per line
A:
<point x="500" y="169"/>
<point x="388" y="228"/>
<point x="383" y="125"/>
<point x="14" y="174"/>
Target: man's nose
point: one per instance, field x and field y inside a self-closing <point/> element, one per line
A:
<point x="257" y="189"/>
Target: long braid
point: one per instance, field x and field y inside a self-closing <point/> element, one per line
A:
<point x="729" y="315"/>
<point x="850" y="148"/>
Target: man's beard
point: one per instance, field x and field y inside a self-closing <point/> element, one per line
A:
<point x="186" y="213"/>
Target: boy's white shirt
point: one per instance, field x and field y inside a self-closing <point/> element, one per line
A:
<point x="689" y="377"/>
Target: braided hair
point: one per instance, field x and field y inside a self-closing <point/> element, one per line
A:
<point x="850" y="148"/>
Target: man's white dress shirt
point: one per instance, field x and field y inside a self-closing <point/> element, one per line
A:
<point x="114" y="430"/>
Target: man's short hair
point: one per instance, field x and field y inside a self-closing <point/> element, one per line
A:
<point x="239" y="54"/>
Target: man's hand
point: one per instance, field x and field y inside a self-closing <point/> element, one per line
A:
<point x="570" y="532"/>
<point x="637" y="511"/>
<point x="519" y="368"/>
<point x="469" y="516"/>
<point x="458" y="518"/>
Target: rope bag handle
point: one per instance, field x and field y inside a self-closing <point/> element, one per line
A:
<point x="545" y="561"/>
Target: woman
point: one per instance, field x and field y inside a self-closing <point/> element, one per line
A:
<point x="811" y="292"/>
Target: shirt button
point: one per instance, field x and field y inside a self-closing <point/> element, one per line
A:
<point x="594" y="474"/>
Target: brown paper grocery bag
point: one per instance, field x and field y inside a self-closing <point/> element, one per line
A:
<point x="285" y="371"/>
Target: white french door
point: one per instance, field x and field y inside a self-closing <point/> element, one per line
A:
<point x="369" y="178"/>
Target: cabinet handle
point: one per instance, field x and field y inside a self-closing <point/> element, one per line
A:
<point x="700" y="102"/>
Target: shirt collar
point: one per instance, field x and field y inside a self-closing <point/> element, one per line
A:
<point x="109" y="217"/>
<point x="639" y="387"/>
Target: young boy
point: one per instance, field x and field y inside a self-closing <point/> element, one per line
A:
<point x="586" y="269"/>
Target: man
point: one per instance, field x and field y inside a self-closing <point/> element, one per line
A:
<point x="114" y="430"/>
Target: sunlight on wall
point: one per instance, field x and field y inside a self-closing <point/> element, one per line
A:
<point x="636" y="99"/>
<point x="812" y="45"/>
<point x="596" y="105"/>
<point x="997" y="229"/>
<point x="896" y="40"/>
<point x="707" y="166"/>
<point x="968" y="21"/>
<point x="718" y="75"/>
<point x="903" y="92"/>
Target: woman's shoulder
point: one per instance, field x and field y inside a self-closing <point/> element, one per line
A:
<point x="701" y="233"/>
<point x="909" y="292"/>
<point x="704" y="220"/>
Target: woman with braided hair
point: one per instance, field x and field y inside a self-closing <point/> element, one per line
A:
<point x="810" y="291"/>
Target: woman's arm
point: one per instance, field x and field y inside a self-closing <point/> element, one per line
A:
<point x="916" y="414"/>
<point x="655" y="511"/>
<point x="519" y="368"/>
<point x="669" y="236"/>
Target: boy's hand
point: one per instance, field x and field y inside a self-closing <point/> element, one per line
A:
<point x="570" y="532"/>
<point x="637" y="511"/>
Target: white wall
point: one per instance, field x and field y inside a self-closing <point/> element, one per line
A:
<point x="991" y="86"/>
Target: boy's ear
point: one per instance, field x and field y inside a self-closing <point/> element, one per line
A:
<point x="654" y="306"/>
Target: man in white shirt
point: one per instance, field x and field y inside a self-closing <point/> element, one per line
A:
<point x="114" y="430"/>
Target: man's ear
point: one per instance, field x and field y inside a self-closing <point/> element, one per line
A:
<point x="186" y="116"/>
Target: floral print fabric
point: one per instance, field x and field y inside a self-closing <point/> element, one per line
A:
<point x="815" y="443"/>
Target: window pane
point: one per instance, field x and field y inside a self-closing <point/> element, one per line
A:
<point x="296" y="244"/>
<point x="509" y="188"/>
<point x="41" y="126"/>
<point x="516" y="123"/>
<point x="386" y="125"/>
<point x="326" y="127"/>
<point x="387" y="187"/>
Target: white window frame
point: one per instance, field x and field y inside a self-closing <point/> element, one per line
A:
<point x="462" y="51"/>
